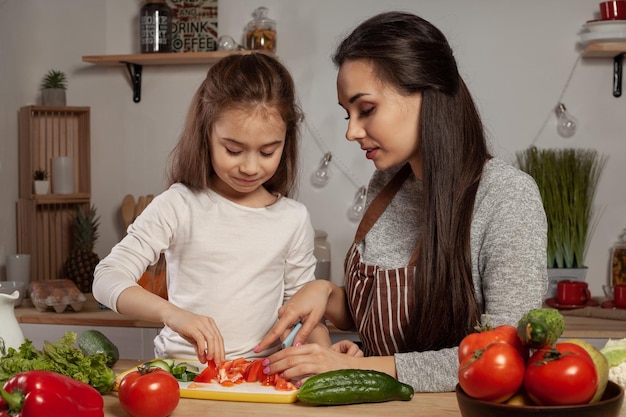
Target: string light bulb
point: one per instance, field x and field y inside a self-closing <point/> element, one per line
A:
<point x="566" y="123"/>
<point x="321" y="177"/>
<point x="358" y="206"/>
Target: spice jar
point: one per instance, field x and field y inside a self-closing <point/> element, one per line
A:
<point x="155" y="27"/>
<point x="261" y="32"/>
<point x="322" y="254"/>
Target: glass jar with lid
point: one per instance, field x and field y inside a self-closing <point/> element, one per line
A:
<point x="618" y="260"/>
<point x="261" y="31"/>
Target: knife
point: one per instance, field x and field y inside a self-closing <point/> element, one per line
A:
<point x="292" y="335"/>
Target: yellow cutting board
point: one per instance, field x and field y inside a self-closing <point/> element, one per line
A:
<point x="245" y="392"/>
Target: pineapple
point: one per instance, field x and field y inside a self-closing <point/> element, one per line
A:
<point x="82" y="261"/>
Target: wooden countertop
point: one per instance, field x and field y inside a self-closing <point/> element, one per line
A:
<point x="421" y="405"/>
<point x="90" y="315"/>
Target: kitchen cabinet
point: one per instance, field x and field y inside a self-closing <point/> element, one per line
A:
<point x="615" y="50"/>
<point x="134" y="63"/>
<point x="44" y="221"/>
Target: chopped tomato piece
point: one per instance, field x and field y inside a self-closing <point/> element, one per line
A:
<point x="282" y="384"/>
<point x="208" y="374"/>
<point x="254" y="371"/>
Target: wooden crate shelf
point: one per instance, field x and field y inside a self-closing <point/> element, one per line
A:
<point x="48" y="132"/>
<point x="44" y="222"/>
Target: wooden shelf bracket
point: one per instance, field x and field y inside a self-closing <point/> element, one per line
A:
<point x="134" y="71"/>
<point x="618" y="61"/>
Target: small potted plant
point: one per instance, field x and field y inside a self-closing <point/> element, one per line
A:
<point x="41" y="184"/>
<point x="53" y="88"/>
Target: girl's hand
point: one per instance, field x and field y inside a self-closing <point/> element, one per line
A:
<point x="348" y="347"/>
<point x="201" y="332"/>
<point x="308" y="306"/>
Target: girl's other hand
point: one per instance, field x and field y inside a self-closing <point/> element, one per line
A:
<point x="201" y="332"/>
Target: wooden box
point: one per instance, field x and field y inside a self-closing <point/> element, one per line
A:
<point x="48" y="132"/>
<point x="44" y="221"/>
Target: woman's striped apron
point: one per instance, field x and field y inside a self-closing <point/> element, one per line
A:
<point x="380" y="300"/>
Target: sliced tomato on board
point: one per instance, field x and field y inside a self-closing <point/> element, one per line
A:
<point x="282" y="384"/>
<point x="254" y="372"/>
<point x="208" y="374"/>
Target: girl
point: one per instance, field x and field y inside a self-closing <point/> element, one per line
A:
<point x="236" y="246"/>
<point x="450" y="234"/>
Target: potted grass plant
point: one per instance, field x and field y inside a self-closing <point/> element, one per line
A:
<point x="567" y="180"/>
<point x="53" y="88"/>
<point x="41" y="183"/>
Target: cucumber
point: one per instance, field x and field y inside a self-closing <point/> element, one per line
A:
<point x="540" y="327"/>
<point x="92" y="342"/>
<point x="353" y="386"/>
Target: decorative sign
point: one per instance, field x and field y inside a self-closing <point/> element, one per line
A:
<point x="194" y="25"/>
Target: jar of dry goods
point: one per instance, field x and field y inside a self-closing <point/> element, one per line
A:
<point x="261" y="32"/>
<point x="618" y="261"/>
<point x="155" y="27"/>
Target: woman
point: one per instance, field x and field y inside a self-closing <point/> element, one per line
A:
<point x="450" y="235"/>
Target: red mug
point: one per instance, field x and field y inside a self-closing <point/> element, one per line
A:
<point x="619" y="296"/>
<point x="613" y="10"/>
<point x="572" y="293"/>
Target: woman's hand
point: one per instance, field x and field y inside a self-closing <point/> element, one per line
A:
<point x="348" y="347"/>
<point x="302" y="361"/>
<point x="201" y="332"/>
<point x="308" y="306"/>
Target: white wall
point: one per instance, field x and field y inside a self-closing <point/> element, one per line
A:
<point x="516" y="57"/>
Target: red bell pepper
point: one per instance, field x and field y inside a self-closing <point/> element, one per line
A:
<point x="49" y="394"/>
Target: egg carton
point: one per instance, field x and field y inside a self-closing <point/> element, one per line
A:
<point x="58" y="295"/>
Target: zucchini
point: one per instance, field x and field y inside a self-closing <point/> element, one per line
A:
<point x="540" y="327"/>
<point x="92" y="342"/>
<point x="353" y="386"/>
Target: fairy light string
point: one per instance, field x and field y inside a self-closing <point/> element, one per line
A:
<point x="356" y="209"/>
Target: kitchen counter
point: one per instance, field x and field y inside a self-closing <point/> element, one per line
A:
<point x="92" y="315"/>
<point x="423" y="405"/>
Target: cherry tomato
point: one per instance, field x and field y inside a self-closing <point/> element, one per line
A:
<point x="149" y="393"/>
<point x="480" y="339"/>
<point x="494" y="373"/>
<point x="563" y="375"/>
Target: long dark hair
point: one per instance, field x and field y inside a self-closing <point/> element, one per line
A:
<point x="237" y="82"/>
<point x="410" y="54"/>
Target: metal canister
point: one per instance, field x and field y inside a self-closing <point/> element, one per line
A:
<point x="155" y="27"/>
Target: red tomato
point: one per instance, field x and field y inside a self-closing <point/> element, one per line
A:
<point x="255" y="370"/>
<point x="149" y="393"/>
<point x="564" y="375"/>
<point x="494" y="373"/>
<point x="503" y="333"/>
<point x="283" y="384"/>
<point x="208" y="374"/>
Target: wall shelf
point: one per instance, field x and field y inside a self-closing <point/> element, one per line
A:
<point x="135" y="62"/>
<point x="615" y="50"/>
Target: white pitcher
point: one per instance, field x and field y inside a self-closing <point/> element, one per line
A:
<point x="10" y="331"/>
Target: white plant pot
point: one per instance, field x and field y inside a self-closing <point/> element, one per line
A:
<point x="41" y="186"/>
<point x="561" y="274"/>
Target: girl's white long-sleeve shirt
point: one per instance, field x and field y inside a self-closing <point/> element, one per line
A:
<point x="233" y="263"/>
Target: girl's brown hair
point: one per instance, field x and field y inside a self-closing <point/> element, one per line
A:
<point x="237" y="82"/>
<point x="413" y="56"/>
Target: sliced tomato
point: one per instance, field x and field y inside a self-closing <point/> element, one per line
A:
<point x="208" y="374"/>
<point x="268" y="380"/>
<point x="282" y="384"/>
<point x="255" y="370"/>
